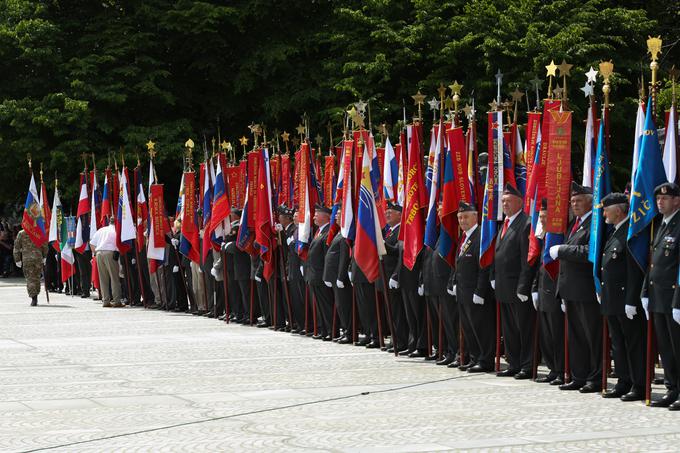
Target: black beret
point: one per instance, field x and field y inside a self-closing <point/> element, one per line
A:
<point x="322" y="208"/>
<point x="466" y="207"/>
<point x="512" y="190"/>
<point x="544" y="204"/>
<point x="394" y="206"/>
<point x="483" y="159"/>
<point x="614" y="198"/>
<point x="236" y="211"/>
<point x="284" y="210"/>
<point x="577" y="189"/>
<point x="667" y="188"/>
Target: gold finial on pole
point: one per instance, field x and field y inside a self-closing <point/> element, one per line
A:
<point x="419" y="100"/>
<point x="606" y="70"/>
<point x="654" y="49"/>
<point x="552" y="72"/>
<point x="189" y="145"/>
<point x="673" y="73"/>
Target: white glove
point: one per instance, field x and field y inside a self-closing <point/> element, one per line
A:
<point x="554" y="251"/>
<point x="349" y="275"/>
<point x="522" y="297"/>
<point x="302" y="271"/>
<point x="213" y="272"/>
<point x="329" y="284"/>
<point x="229" y="243"/>
<point x="645" y="306"/>
<point x="44" y="260"/>
<point x="563" y="307"/>
<point x="145" y="234"/>
<point x="676" y="315"/>
<point x="200" y="269"/>
<point x="451" y="291"/>
<point x="174" y="242"/>
<point x="278" y="227"/>
<point x="175" y="269"/>
<point x="258" y="279"/>
<point x="421" y="290"/>
<point x="19" y="264"/>
<point x="631" y="311"/>
<point x="339" y="284"/>
<point x="478" y="300"/>
<point x="133" y="261"/>
<point x="493" y="284"/>
<point x="290" y="240"/>
<point x="394" y="284"/>
<point x="534" y="299"/>
<point x="599" y="298"/>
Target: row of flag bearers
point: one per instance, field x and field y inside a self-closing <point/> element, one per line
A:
<point x="456" y="256"/>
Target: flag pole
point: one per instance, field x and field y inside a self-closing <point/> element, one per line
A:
<point x="47" y="294"/>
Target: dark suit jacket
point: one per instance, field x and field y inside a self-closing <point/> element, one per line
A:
<point x="662" y="273"/>
<point x="575" y="281"/>
<point x="315" y="258"/>
<point x="293" y="261"/>
<point x="511" y="270"/>
<point x="468" y="277"/>
<point x="392" y="247"/>
<point x="409" y="280"/>
<point x="241" y="262"/>
<point x="614" y="272"/>
<point x="435" y="273"/>
<point x="335" y="263"/>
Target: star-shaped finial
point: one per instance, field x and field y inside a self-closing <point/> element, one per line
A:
<point x="243" y="140"/>
<point x="552" y="69"/>
<point x="499" y="77"/>
<point x="418" y="98"/>
<point x="442" y="91"/>
<point x="517" y="95"/>
<point x="433" y="103"/>
<point x="300" y="129"/>
<point x="296" y="142"/>
<point x="285" y="136"/>
<point x="565" y="68"/>
<point x="225" y="145"/>
<point x="360" y="106"/>
<point x="493" y="106"/>
<point x="587" y="89"/>
<point x="150" y="145"/>
<point x="467" y="110"/>
<point x="558" y="91"/>
<point x="591" y="75"/>
<point x="189" y="144"/>
<point x="448" y="103"/>
<point x="536" y="83"/>
<point x="456" y="87"/>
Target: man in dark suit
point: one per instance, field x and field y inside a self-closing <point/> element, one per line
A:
<point x="551" y="317"/>
<point x="366" y="306"/>
<point x="400" y="334"/>
<point x="626" y="322"/>
<point x="660" y="289"/>
<point x="296" y="281"/>
<point x="434" y="277"/>
<point x="576" y="287"/>
<point x="511" y="279"/>
<point x="475" y="297"/>
<point x="335" y="276"/>
<point x="414" y="304"/>
<point x="313" y="273"/>
<point x="241" y="260"/>
<point x="283" y="268"/>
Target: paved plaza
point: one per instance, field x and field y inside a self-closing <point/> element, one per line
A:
<point x="77" y="377"/>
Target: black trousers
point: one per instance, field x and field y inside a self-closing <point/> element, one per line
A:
<point x="551" y="340"/>
<point x="84" y="271"/>
<point x="399" y="323"/>
<point x="448" y="312"/>
<point x="479" y="330"/>
<point x="263" y="298"/>
<point x="365" y="300"/>
<point x="297" y="302"/>
<point x="585" y="341"/>
<point x="244" y="286"/>
<point x="517" y="323"/>
<point x="343" y="303"/>
<point x="414" y="306"/>
<point x="668" y="343"/>
<point x="432" y="321"/>
<point x="323" y="297"/>
<point x="629" y="337"/>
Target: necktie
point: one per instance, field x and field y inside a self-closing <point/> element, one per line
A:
<point x="462" y="241"/>
<point x="576" y="225"/>
<point x="505" y="227"/>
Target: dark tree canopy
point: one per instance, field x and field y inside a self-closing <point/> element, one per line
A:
<point x="97" y="77"/>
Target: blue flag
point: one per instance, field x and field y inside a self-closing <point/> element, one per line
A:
<point x="650" y="173"/>
<point x="601" y="188"/>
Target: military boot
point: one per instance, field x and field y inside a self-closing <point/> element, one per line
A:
<point x="34" y="301"/>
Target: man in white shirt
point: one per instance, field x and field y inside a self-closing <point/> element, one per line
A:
<point x="105" y="250"/>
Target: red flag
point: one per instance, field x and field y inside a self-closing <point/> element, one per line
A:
<point x="415" y="202"/>
<point x="558" y="171"/>
<point x="253" y="170"/>
<point x="264" y="231"/>
<point x="190" y="244"/>
<point x="47" y="213"/>
<point x="286" y="187"/>
<point x="328" y="180"/>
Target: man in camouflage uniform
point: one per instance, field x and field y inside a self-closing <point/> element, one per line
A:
<point x="30" y="258"/>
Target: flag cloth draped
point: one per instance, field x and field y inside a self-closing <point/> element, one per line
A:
<point x="33" y="220"/>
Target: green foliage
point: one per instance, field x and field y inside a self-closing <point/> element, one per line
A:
<point x="101" y="77"/>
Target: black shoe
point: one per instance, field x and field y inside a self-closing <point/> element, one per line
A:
<point x="262" y="325"/>
<point x="221" y="317"/>
<point x="479" y="369"/>
<point x="405" y="351"/>
<point x="614" y="393"/>
<point x="301" y="332"/>
<point x="467" y="366"/>
<point x="523" y="375"/>
<point x="431" y="357"/>
<point x="634" y="395"/>
<point x="34" y="301"/>
<point x="344" y="340"/>
<point x="417" y="355"/>
<point x="445" y="361"/>
<point x="590" y="388"/>
<point x="675" y="406"/>
<point x="546" y="379"/>
<point x="573" y="385"/>
<point x="363" y="342"/>
<point x="658" y="381"/>
<point x="507" y="373"/>
<point x="317" y="337"/>
<point x="327" y="338"/>
<point x="85" y="295"/>
<point x="559" y="380"/>
<point x="666" y="400"/>
<point x="373" y="345"/>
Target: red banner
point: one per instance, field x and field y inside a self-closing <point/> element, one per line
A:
<point x="415" y="203"/>
<point x="533" y="128"/>
<point x="253" y="169"/>
<point x="157" y="214"/>
<point x="328" y="180"/>
<point x="558" y="171"/>
<point x="234" y="183"/>
<point x="275" y="167"/>
<point x="302" y="163"/>
<point x="459" y="160"/>
<point x="189" y="224"/>
<point x="296" y="185"/>
<point x="285" y="195"/>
